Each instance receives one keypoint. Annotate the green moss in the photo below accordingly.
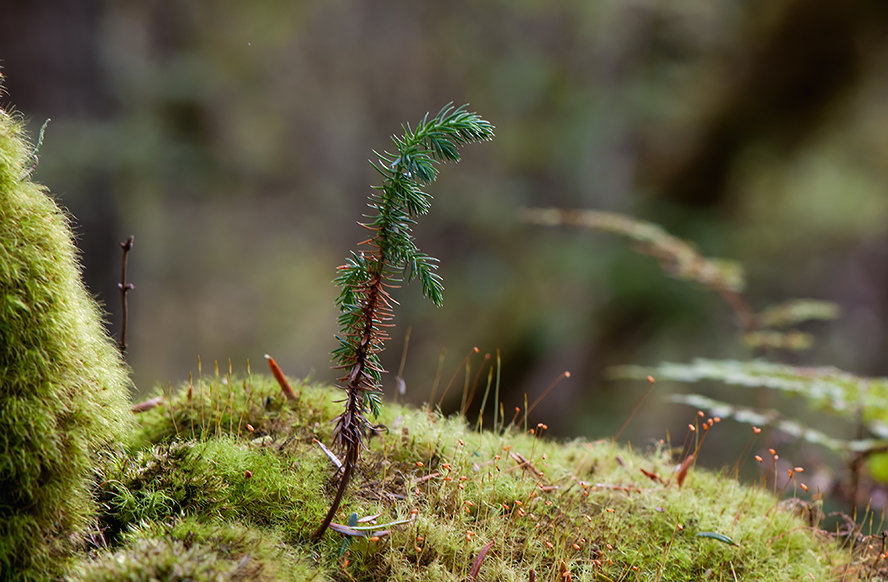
(63, 388)
(194, 551)
(215, 479)
(580, 507)
(222, 405)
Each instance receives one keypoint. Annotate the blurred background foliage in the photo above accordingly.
(232, 138)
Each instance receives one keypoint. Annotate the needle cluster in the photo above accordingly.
(385, 260)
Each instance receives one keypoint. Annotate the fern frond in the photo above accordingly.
(681, 260)
(677, 257)
(827, 388)
(768, 339)
(775, 420)
(796, 311)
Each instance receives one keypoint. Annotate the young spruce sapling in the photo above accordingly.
(384, 260)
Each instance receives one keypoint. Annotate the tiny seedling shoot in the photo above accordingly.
(382, 262)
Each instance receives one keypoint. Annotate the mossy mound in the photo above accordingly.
(63, 388)
(226, 478)
(192, 551)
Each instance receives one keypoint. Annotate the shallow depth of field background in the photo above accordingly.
(232, 138)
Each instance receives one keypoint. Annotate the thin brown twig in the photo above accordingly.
(524, 463)
(147, 404)
(125, 288)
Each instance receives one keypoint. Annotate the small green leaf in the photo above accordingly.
(717, 536)
(346, 541)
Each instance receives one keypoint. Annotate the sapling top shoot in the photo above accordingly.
(386, 259)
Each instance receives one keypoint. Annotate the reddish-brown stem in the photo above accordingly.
(351, 461)
(349, 431)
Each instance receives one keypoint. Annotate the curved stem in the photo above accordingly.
(351, 459)
(350, 427)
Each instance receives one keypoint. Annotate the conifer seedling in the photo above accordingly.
(389, 257)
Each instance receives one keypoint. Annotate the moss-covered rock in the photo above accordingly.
(63, 388)
(227, 477)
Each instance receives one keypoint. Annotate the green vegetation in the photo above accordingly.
(858, 401)
(226, 478)
(680, 259)
(365, 304)
(226, 481)
(63, 388)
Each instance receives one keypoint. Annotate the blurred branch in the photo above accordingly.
(676, 257)
(125, 288)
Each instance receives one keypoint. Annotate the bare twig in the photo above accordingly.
(524, 463)
(124, 287)
(425, 478)
(147, 404)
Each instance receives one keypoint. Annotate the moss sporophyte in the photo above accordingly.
(384, 260)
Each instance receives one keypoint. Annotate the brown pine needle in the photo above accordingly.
(476, 565)
(683, 470)
(281, 379)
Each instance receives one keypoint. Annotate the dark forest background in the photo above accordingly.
(232, 138)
